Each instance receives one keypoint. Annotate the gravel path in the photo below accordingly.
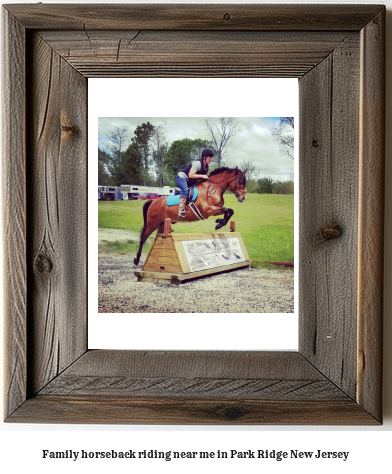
(240, 291)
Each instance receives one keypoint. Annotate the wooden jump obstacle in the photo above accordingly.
(177, 258)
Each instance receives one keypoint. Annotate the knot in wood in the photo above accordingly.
(227, 16)
(69, 128)
(43, 264)
(315, 143)
(232, 413)
(328, 233)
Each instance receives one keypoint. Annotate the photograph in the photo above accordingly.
(224, 189)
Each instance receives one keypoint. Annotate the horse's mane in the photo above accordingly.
(241, 176)
(220, 170)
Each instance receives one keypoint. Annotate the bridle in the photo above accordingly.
(235, 192)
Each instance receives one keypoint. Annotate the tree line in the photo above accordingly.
(146, 158)
(147, 151)
(268, 186)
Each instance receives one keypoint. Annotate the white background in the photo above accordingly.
(369, 448)
(248, 98)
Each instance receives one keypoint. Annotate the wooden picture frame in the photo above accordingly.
(338, 54)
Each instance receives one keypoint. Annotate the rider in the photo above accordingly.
(187, 177)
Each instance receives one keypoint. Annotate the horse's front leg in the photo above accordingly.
(227, 214)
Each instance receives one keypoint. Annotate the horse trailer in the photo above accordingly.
(134, 191)
(109, 193)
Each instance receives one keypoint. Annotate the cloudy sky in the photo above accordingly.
(253, 142)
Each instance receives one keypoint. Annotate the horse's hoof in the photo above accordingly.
(136, 261)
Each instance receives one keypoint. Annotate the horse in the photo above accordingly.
(209, 202)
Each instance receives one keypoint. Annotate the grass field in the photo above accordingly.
(266, 223)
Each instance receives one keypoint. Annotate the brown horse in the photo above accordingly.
(209, 202)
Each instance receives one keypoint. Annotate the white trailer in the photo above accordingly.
(109, 193)
(132, 191)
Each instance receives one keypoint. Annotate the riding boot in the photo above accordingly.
(181, 208)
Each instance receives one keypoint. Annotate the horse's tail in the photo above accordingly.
(146, 206)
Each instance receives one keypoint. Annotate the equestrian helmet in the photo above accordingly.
(207, 152)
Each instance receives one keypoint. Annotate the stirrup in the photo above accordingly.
(181, 208)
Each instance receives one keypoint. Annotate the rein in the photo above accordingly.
(236, 194)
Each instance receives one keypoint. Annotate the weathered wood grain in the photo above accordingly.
(103, 409)
(57, 222)
(371, 215)
(14, 209)
(187, 387)
(208, 364)
(187, 374)
(178, 53)
(329, 200)
(195, 17)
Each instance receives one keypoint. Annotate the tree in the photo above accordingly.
(180, 154)
(142, 137)
(284, 134)
(251, 186)
(251, 172)
(115, 146)
(265, 186)
(117, 140)
(286, 187)
(132, 169)
(132, 165)
(103, 174)
(221, 130)
(160, 147)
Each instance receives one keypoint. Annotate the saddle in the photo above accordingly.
(174, 199)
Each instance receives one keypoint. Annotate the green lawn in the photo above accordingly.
(266, 223)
